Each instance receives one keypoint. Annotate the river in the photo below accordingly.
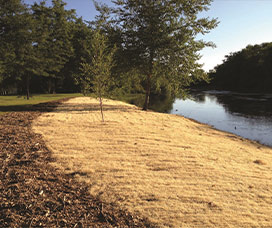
(245, 114)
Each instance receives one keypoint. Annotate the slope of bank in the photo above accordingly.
(174, 171)
(34, 194)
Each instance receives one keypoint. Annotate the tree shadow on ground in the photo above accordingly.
(42, 107)
(79, 108)
(59, 106)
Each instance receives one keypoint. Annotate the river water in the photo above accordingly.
(246, 115)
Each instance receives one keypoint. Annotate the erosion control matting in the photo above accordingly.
(35, 194)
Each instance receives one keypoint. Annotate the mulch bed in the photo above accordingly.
(34, 194)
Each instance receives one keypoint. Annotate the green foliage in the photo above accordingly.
(96, 71)
(159, 103)
(1, 71)
(53, 39)
(35, 42)
(247, 70)
(158, 41)
(15, 40)
(81, 41)
(42, 47)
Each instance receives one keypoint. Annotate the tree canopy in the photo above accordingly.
(247, 70)
(96, 71)
(35, 42)
(158, 40)
(42, 45)
(15, 40)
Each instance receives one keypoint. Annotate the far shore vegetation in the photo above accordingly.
(247, 70)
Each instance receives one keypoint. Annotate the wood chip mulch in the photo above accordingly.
(34, 194)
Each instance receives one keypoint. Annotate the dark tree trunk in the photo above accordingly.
(101, 108)
(49, 85)
(147, 92)
(27, 87)
(54, 85)
(148, 82)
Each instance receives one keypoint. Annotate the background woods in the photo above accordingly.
(156, 51)
(248, 70)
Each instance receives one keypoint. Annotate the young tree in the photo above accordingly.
(159, 40)
(96, 71)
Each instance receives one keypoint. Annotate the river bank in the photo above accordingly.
(172, 170)
(243, 114)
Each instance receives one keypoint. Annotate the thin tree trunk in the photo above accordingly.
(54, 86)
(101, 108)
(147, 93)
(49, 85)
(148, 83)
(27, 87)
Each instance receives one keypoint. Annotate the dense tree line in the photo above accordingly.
(46, 48)
(248, 70)
(37, 44)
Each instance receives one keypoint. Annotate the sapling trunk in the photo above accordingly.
(101, 108)
(148, 81)
(27, 87)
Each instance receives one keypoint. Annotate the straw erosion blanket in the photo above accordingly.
(34, 194)
(172, 170)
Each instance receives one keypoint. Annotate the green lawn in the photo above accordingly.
(16, 103)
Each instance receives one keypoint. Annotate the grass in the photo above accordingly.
(174, 171)
(20, 103)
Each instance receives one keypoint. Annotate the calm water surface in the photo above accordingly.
(246, 115)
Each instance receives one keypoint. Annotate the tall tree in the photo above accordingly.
(96, 71)
(60, 40)
(81, 40)
(159, 40)
(16, 42)
(35, 41)
(53, 38)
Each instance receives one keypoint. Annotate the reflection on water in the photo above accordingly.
(158, 103)
(247, 115)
